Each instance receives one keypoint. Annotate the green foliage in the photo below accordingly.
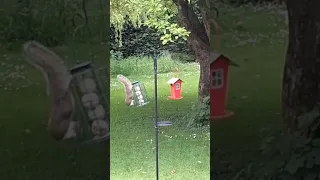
(157, 14)
(201, 113)
(183, 57)
(116, 55)
(144, 41)
(49, 22)
(290, 157)
(307, 119)
(144, 28)
(304, 161)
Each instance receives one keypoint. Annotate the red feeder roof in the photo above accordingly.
(173, 80)
(215, 56)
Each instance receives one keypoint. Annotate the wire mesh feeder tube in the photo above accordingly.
(140, 96)
(90, 104)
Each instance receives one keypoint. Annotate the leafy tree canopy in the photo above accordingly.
(155, 14)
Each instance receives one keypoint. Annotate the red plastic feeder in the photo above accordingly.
(219, 68)
(175, 88)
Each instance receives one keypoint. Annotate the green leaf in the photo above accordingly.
(294, 164)
(300, 142)
(305, 120)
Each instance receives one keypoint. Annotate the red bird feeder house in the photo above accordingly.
(175, 88)
(219, 68)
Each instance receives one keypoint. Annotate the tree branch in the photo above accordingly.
(190, 21)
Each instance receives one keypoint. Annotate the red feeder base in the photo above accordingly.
(174, 98)
(226, 114)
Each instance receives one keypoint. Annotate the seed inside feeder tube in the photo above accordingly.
(100, 112)
(140, 97)
(92, 115)
(90, 99)
(99, 127)
(88, 85)
(97, 113)
(137, 88)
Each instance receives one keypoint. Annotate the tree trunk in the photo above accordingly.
(199, 41)
(202, 55)
(301, 76)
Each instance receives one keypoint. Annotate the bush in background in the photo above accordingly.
(144, 41)
(143, 65)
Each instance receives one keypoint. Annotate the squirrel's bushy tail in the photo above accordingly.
(128, 89)
(49, 63)
(57, 79)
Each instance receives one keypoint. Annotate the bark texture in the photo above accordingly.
(301, 76)
(199, 41)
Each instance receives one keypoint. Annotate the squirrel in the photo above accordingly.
(128, 89)
(60, 124)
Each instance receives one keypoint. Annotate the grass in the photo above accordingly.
(256, 40)
(183, 152)
(27, 150)
(253, 37)
(144, 65)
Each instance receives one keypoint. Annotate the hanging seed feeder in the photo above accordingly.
(90, 104)
(140, 96)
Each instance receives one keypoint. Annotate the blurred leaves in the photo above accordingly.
(144, 41)
(156, 14)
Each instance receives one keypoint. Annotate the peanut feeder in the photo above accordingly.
(140, 96)
(90, 104)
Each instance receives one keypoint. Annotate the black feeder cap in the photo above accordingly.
(135, 82)
(80, 67)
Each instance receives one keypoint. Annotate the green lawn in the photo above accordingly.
(255, 38)
(257, 42)
(27, 150)
(183, 152)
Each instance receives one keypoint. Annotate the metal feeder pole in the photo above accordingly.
(156, 116)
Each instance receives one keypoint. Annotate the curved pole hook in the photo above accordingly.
(80, 26)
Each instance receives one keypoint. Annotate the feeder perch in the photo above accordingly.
(90, 104)
(164, 123)
(140, 96)
(219, 69)
(175, 88)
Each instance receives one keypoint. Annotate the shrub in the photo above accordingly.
(201, 115)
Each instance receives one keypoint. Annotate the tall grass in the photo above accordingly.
(144, 65)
